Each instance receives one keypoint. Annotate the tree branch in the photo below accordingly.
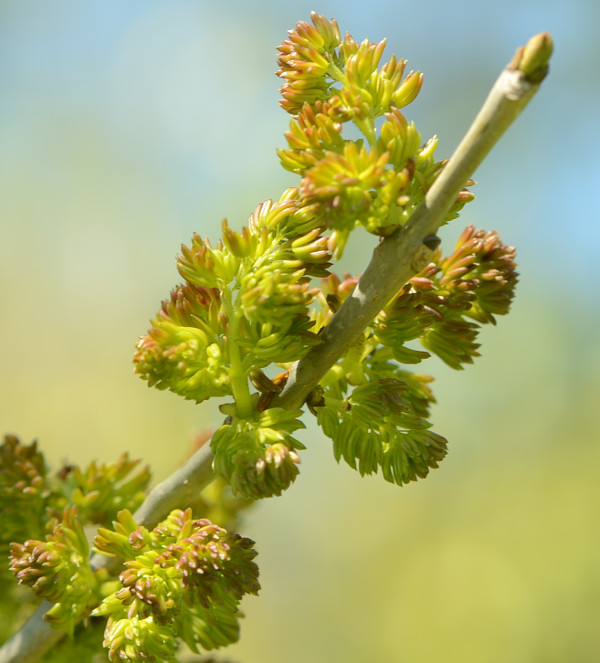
(395, 260)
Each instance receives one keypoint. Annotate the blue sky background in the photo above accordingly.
(127, 126)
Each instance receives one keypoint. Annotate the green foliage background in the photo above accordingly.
(124, 127)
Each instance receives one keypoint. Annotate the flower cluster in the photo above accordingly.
(184, 351)
(382, 424)
(31, 500)
(444, 304)
(58, 570)
(258, 456)
(183, 580)
(101, 490)
(43, 516)
(376, 412)
(244, 305)
(378, 180)
(23, 492)
(202, 573)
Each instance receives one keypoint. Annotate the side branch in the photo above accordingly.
(394, 262)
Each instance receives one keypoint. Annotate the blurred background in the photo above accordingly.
(127, 126)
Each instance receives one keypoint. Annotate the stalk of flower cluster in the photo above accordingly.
(394, 262)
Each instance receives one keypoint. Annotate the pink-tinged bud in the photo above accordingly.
(408, 90)
(233, 241)
(366, 59)
(329, 31)
(466, 196)
(394, 69)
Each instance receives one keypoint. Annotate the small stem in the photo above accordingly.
(239, 377)
(335, 71)
(239, 381)
(367, 127)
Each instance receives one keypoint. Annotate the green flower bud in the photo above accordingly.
(23, 492)
(182, 580)
(328, 31)
(408, 90)
(400, 139)
(382, 424)
(140, 639)
(258, 458)
(58, 570)
(101, 490)
(306, 59)
(184, 350)
(477, 281)
(203, 266)
(532, 59)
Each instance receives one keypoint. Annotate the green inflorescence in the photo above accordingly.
(257, 457)
(43, 520)
(183, 580)
(377, 180)
(373, 409)
(58, 570)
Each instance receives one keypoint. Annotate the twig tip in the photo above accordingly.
(532, 59)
